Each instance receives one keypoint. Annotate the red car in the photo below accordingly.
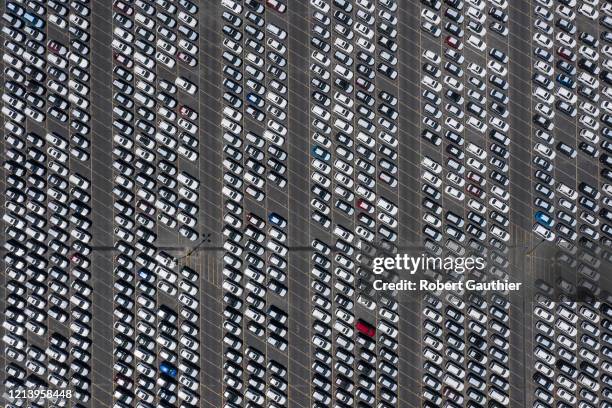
(121, 7)
(566, 54)
(56, 48)
(476, 178)
(123, 60)
(475, 191)
(79, 260)
(365, 328)
(276, 5)
(365, 206)
(188, 113)
(454, 42)
(187, 59)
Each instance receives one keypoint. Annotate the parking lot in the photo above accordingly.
(221, 176)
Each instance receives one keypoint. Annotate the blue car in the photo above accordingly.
(566, 81)
(255, 100)
(33, 21)
(544, 219)
(321, 153)
(146, 275)
(168, 369)
(277, 220)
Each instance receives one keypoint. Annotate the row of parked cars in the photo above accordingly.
(255, 139)
(465, 101)
(47, 202)
(155, 130)
(572, 83)
(581, 92)
(354, 116)
(150, 123)
(469, 163)
(571, 351)
(162, 361)
(466, 345)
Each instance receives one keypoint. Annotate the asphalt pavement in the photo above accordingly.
(526, 263)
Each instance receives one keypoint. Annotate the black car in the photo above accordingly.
(589, 39)
(454, 15)
(498, 15)
(566, 67)
(434, 4)
(589, 66)
(431, 137)
(454, 29)
(588, 93)
(431, 70)
(343, 18)
(605, 76)
(543, 54)
(566, 26)
(456, 4)
(566, 108)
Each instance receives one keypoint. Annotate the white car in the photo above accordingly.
(279, 32)
(432, 219)
(432, 56)
(566, 12)
(545, 151)
(276, 99)
(476, 165)
(589, 135)
(543, 67)
(476, 151)
(588, 52)
(566, 40)
(476, 69)
(567, 95)
(165, 59)
(499, 124)
(186, 85)
(588, 11)
(543, 40)
(365, 45)
(430, 16)
(476, 42)
(476, 14)
(498, 68)
(589, 122)
(232, 6)
(363, 30)
(432, 179)
(454, 192)
(543, 26)
(454, 124)
(567, 191)
(431, 83)
(499, 205)
(543, 95)
(431, 164)
(545, 110)
(322, 5)
(478, 4)
(500, 233)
